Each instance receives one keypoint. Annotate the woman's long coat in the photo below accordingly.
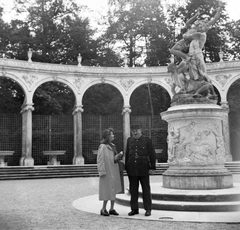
(109, 176)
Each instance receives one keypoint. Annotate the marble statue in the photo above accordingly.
(190, 76)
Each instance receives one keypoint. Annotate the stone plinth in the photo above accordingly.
(196, 149)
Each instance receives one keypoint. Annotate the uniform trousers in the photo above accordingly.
(146, 192)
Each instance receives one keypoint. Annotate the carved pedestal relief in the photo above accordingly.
(196, 143)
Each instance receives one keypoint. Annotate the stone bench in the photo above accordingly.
(94, 151)
(2, 156)
(53, 156)
(158, 154)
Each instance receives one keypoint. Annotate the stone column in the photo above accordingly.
(26, 159)
(196, 149)
(77, 127)
(226, 134)
(126, 125)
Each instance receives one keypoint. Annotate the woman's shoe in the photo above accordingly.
(104, 213)
(113, 212)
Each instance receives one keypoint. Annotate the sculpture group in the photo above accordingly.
(190, 75)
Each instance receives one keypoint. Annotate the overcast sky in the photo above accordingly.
(232, 7)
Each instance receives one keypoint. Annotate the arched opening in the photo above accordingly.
(53, 122)
(218, 96)
(147, 102)
(11, 97)
(103, 105)
(233, 98)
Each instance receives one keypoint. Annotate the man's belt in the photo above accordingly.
(137, 156)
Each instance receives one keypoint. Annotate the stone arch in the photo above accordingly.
(229, 84)
(21, 83)
(219, 89)
(104, 81)
(146, 81)
(50, 131)
(233, 118)
(59, 79)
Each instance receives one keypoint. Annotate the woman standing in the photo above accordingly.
(108, 169)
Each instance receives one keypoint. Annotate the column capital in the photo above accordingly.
(27, 107)
(78, 108)
(224, 105)
(126, 109)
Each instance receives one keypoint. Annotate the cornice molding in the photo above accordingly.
(100, 71)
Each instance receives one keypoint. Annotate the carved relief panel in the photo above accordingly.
(197, 142)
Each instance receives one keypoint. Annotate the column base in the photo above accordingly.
(229, 158)
(78, 160)
(26, 161)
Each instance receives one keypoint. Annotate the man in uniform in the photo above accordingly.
(140, 162)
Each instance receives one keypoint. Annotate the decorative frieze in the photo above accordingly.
(4, 72)
(29, 79)
(168, 80)
(222, 79)
(126, 84)
(78, 82)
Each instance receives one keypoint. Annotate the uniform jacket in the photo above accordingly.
(140, 156)
(109, 180)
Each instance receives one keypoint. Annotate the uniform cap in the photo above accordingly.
(135, 126)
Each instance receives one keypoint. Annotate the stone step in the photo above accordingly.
(217, 200)
(213, 195)
(124, 199)
(58, 171)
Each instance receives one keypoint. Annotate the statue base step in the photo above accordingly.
(197, 178)
(217, 200)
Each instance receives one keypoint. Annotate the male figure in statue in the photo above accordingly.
(181, 48)
(193, 62)
(196, 65)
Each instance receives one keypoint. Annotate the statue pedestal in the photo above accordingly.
(196, 149)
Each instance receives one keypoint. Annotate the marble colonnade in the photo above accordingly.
(79, 78)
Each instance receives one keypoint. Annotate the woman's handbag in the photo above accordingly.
(121, 169)
(121, 166)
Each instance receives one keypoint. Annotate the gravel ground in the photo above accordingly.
(47, 204)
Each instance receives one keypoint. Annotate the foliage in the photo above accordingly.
(102, 99)
(56, 32)
(11, 96)
(234, 118)
(139, 28)
(106, 55)
(53, 98)
(215, 36)
(4, 34)
(232, 50)
(144, 97)
(20, 40)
